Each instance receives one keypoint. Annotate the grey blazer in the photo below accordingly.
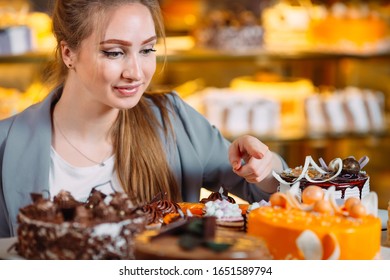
(198, 158)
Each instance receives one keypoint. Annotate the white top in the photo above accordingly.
(79, 181)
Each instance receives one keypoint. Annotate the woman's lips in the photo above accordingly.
(128, 90)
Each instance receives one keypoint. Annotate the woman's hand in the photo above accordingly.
(251, 159)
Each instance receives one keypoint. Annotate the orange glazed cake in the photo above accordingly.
(317, 228)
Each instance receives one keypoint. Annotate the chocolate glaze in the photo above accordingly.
(341, 184)
(351, 176)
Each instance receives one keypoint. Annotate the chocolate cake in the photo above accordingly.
(63, 228)
(101, 228)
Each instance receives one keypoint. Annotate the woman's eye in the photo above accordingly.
(112, 54)
(147, 51)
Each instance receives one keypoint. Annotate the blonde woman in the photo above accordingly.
(101, 128)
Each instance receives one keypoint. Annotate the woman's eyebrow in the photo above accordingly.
(126, 43)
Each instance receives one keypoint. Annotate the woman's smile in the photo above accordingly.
(128, 90)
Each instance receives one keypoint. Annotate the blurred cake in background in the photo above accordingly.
(290, 93)
(23, 30)
(228, 30)
(13, 101)
(355, 27)
(286, 26)
(181, 16)
(345, 110)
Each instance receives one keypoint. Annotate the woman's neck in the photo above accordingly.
(81, 132)
(82, 115)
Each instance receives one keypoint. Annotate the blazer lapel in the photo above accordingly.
(27, 157)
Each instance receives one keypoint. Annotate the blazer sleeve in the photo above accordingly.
(5, 229)
(211, 149)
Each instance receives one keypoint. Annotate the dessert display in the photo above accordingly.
(27, 30)
(102, 228)
(268, 104)
(340, 27)
(109, 227)
(236, 111)
(318, 228)
(286, 26)
(347, 176)
(198, 238)
(289, 93)
(181, 16)
(228, 30)
(348, 109)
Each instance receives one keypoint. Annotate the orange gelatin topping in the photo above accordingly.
(244, 208)
(357, 238)
(193, 207)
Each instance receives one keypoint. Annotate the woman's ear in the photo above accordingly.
(68, 56)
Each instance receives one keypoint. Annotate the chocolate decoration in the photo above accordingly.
(218, 196)
(94, 198)
(65, 200)
(350, 166)
(159, 207)
(35, 197)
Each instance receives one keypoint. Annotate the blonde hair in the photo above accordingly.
(141, 162)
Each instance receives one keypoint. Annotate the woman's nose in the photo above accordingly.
(132, 69)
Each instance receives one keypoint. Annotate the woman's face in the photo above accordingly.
(118, 71)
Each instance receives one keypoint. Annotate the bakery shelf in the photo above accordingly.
(32, 57)
(195, 54)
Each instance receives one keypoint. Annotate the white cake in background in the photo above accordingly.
(346, 110)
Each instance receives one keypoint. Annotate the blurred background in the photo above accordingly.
(305, 77)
